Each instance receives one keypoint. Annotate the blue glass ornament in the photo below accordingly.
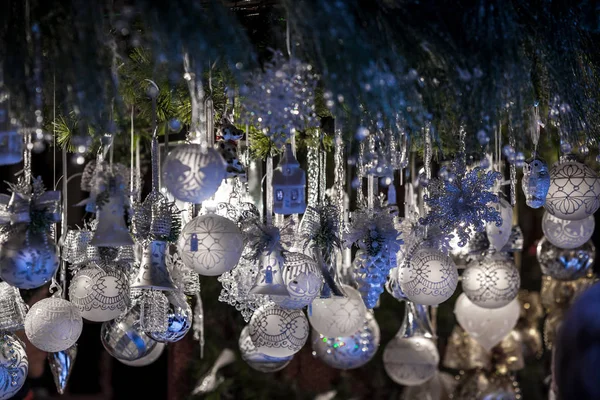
(536, 182)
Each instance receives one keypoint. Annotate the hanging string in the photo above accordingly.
(322, 171)
(196, 95)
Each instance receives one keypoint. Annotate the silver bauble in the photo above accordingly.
(179, 322)
(149, 358)
(13, 364)
(259, 361)
(123, 338)
(565, 264)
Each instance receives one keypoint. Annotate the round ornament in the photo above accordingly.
(278, 332)
(148, 359)
(351, 351)
(565, 264)
(410, 361)
(499, 236)
(13, 364)
(210, 244)
(338, 316)
(491, 282)
(179, 319)
(192, 173)
(123, 338)
(574, 191)
(302, 278)
(53, 324)
(27, 260)
(428, 277)
(100, 294)
(566, 234)
(259, 361)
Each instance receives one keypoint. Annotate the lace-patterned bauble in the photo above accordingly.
(149, 358)
(567, 234)
(193, 173)
(100, 294)
(428, 276)
(13, 364)
(259, 361)
(124, 339)
(574, 191)
(350, 351)
(53, 324)
(565, 264)
(491, 282)
(210, 244)
(303, 281)
(278, 332)
(410, 361)
(338, 316)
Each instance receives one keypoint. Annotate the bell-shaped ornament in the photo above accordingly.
(111, 230)
(153, 272)
(270, 279)
(416, 322)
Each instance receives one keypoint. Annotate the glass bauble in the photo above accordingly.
(491, 282)
(303, 280)
(566, 234)
(14, 365)
(536, 182)
(210, 244)
(53, 324)
(259, 361)
(123, 338)
(148, 359)
(278, 332)
(193, 173)
(410, 361)
(179, 320)
(338, 316)
(565, 264)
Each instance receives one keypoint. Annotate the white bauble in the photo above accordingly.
(259, 361)
(210, 244)
(487, 326)
(349, 351)
(100, 294)
(338, 316)
(278, 332)
(428, 277)
(498, 236)
(13, 364)
(193, 173)
(566, 234)
(410, 361)
(303, 280)
(491, 282)
(574, 191)
(53, 324)
(148, 359)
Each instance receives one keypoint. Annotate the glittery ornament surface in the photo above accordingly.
(13, 364)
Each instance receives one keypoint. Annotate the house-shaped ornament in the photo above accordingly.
(289, 185)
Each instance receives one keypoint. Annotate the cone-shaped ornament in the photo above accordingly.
(112, 230)
(270, 279)
(416, 322)
(153, 272)
(61, 364)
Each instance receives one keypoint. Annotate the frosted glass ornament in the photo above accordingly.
(123, 338)
(338, 316)
(536, 182)
(410, 361)
(565, 264)
(210, 244)
(100, 294)
(27, 260)
(278, 332)
(259, 361)
(53, 324)
(491, 282)
(574, 191)
(193, 173)
(499, 236)
(428, 277)
(14, 365)
(487, 326)
(349, 351)
(567, 234)
(303, 281)
(148, 359)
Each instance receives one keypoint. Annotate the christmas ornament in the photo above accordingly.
(499, 234)
(303, 281)
(99, 294)
(53, 324)
(179, 320)
(565, 264)
(94, 178)
(228, 147)
(278, 332)
(78, 252)
(12, 309)
(193, 172)
(437, 388)
(211, 380)
(11, 140)
(567, 234)
(14, 365)
(259, 361)
(574, 190)
(154, 307)
(123, 339)
(491, 282)
(338, 316)
(410, 361)
(348, 351)
(487, 326)
(415, 322)
(536, 182)
(153, 272)
(148, 359)
(289, 185)
(269, 279)
(61, 364)
(210, 244)
(428, 276)
(156, 219)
